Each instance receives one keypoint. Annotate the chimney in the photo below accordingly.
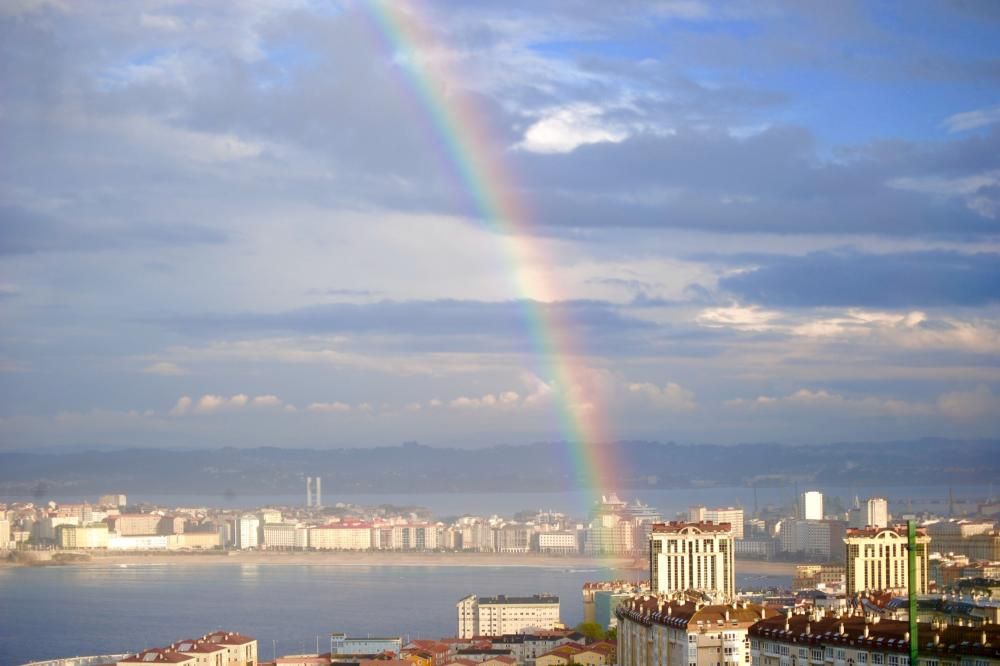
(866, 630)
(906, 637)
(670, 610)
(982, 637)
(937, 638)
(808, 628)
(840, 629)
(727, 616)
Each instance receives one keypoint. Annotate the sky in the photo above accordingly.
(237, 224)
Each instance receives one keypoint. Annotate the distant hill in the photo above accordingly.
(413, 468)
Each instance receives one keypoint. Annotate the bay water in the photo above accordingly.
(51, 612)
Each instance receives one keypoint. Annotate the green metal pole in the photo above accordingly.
(911, 528)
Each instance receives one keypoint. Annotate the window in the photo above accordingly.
(862, 657)
(878, 659)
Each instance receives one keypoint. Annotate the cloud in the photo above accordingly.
(562, 130)
(975, 404)
(968, 120)
(855, 279)
(165, 369)
(740, 318)
(26, 232)
(214, 404)
(825, 401)
(967, 405)
(501, 399)
(671, 396)
(183, 406)
(330, 407)
(209, 404)
(444, 319)
(979, 192)
(266, 402)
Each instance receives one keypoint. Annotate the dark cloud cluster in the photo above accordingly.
(857, 279)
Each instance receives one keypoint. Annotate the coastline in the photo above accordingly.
(627, 565)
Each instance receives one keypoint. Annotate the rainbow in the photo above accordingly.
(476, 161)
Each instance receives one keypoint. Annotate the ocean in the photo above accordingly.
(54, 612)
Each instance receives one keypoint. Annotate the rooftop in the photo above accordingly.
(650, 609)
(676, 527)
(534, 599)
(888, 635)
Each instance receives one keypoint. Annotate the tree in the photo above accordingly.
(592, 630)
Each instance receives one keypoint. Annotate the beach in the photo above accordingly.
(387, 558)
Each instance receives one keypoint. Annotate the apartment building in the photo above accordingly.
(284, 536)
(414, 536)
(692, 557)
(82, 512)
(115, 500)
(877, 559)
(821, 539)
(355, 536)
(45, 529)
(246, 530)
(817, 639)
(82, 536)
(134, 524)
(496, 616)
(873, 513)
(811, 576)
(525, 648)
(978, 540)
(342, 644)
(658, 631)
(513, 538)
(610, 535)
(558, 543)
(220, 648)
(731, 515)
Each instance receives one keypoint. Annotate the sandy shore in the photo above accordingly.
(631, 567)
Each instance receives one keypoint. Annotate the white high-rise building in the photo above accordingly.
(811, 505)
(692, 556)
(730, 514)
(877, 510)
(247, 532)
(873, 513)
